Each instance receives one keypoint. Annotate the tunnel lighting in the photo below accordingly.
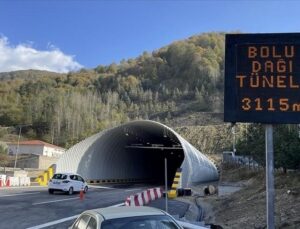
(165, 133)
(136, 144)
(151, 147)
(157, 145)
(126, 130)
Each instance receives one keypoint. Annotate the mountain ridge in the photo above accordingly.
(177, 80)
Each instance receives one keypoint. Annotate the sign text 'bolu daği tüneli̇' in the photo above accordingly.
(262, 78)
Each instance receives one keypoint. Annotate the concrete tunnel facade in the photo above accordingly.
(136, 151)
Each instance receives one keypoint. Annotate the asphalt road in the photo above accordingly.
(33, 206)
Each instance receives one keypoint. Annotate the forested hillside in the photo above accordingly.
(180, 85)
(174, 81)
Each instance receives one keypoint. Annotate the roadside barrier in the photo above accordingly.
(7, 183)
(24, 181)
(43, 178)
(14, 181)
(176, 184)
(144, 197)
(2, 180)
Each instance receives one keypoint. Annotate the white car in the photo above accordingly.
(125, 218)
(67, 182)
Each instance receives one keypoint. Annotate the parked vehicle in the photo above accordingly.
(125, 218)
(67, 182)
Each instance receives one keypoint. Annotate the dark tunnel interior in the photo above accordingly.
(158, 148)
(153, 163)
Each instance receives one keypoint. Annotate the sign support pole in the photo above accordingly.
(270, 190)
(166, 183)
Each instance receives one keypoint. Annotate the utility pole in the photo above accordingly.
(17, 152)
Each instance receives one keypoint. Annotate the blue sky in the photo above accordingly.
(89, 33)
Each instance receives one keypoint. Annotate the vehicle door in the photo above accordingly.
(81, 182)
(75, 183)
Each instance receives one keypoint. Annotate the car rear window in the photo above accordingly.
(82, 222)
(142, 222)
(59, 176)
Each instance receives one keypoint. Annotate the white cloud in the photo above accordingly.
(24, 56)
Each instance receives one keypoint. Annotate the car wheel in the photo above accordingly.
(70, 191)
(50, 191)
(85, 189)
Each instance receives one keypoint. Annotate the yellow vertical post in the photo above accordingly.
(41, 178)
(38, 179)
(50, 173)
(173, 191)
(45, 178)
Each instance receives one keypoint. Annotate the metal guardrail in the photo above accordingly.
(240, 160)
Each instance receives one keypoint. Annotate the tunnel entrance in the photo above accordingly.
(152, 162)
(133, 153)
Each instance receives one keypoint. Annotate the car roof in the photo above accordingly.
(123, 212)
(68, 174)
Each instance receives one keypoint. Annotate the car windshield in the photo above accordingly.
(141, 222)
(59, 176)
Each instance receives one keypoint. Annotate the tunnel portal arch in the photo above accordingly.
(135, 151)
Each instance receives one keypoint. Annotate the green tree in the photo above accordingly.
(286, 145)
(4, 159)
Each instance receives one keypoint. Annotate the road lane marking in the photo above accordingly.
(21, 187)
(100, 187)
(117, 205)
(20, 194)
(54, 222)
(53, 201)
(136, 189)
(63, 220)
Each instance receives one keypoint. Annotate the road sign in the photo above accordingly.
(262, 78)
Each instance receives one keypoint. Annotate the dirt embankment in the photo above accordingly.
(246, 208)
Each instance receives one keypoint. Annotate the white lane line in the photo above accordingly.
(20, 194)
(117, 205)
(100, 187)
(62, 220)
(54, 222)
(53, 201)
(136, 189)
(21, 187)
